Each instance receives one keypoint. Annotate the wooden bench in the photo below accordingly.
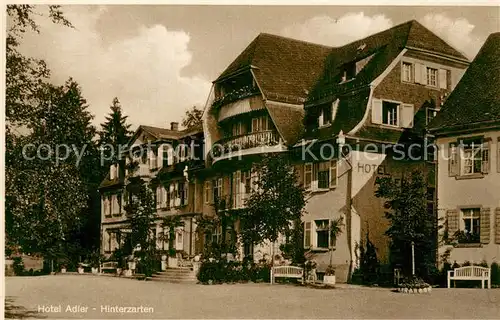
(470, 273)
(111, 265)
(287, 272)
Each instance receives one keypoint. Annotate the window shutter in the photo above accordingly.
(307, 234)
(112, 172)
(159, 158)
(497, 225)
(333, 173)
(170, 156)
(420, 74)
(158, 197)
(172, 195)
(485, 157)
(453, 163)
(308, 175)
(452, 217)
(314, 183)
(484, 221)
(407, 114)
(442, 78)
(237, 189)
(377, 111)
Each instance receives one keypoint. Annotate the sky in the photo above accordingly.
(160, 60)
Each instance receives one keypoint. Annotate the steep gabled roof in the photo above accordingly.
(476, 98)
(284, 68)
(161, 133)
(380, 49)
(288, 69)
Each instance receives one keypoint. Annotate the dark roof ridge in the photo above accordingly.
(296, 40)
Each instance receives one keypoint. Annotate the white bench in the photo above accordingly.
(470, 273)
(287, 272)
(111, 265)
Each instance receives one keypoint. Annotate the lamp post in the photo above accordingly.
(413, 258)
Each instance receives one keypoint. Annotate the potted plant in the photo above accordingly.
(95, 260)
(172, 258)
(63, 268)
(131, 263)
(120, 259)
(335, 229)
(329, 278)
(80, 268)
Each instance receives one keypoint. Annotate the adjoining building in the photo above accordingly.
(171, 157)
(468, 134)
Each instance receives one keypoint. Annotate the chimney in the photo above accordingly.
(174, 126)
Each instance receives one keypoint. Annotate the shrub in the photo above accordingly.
(18, 266)
(223, 271)
(413, 283)
(495, 273)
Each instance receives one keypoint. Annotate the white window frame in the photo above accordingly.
(308, 172)
(217, 187)
(432, 76)
(407, 72)
(435, 111)
(470, 214)
(321, 118)
(468, 161)
(392, 117)
(207, 193)
(322, 228)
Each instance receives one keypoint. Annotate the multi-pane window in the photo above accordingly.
(407, 72)
(217, 189)
(322, 233)
(325, 116)
(238, 128)
(432, 77)
(390, 113)
(183, 193)
(324, 175)
(472, 158)
(262, 123)
(431, 114)
(320, 175)
(471, 222)
(207, 192)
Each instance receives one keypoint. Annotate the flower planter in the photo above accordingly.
(329, 280)
(119, 271)
(128, 273)
(80, 270)
(172, 262)
(131, 265)
(95, 270)
(63, 270)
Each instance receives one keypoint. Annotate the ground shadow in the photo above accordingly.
(13, 311)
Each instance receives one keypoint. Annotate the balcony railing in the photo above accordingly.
(234, 95)
(246, 141)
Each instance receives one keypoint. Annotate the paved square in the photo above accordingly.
(98, 296)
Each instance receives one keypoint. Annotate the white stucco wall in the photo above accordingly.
(483, 192)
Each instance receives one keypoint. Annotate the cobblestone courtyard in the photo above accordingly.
(88, 296)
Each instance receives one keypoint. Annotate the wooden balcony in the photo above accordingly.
(234, 144)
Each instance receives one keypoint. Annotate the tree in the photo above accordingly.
(141, 210)
(192, 118)
(114, 132)
(47, 194)
(410, 222)
(275, 203)
(24, 75)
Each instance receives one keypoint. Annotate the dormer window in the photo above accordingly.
(325, 115)
(349, 71)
